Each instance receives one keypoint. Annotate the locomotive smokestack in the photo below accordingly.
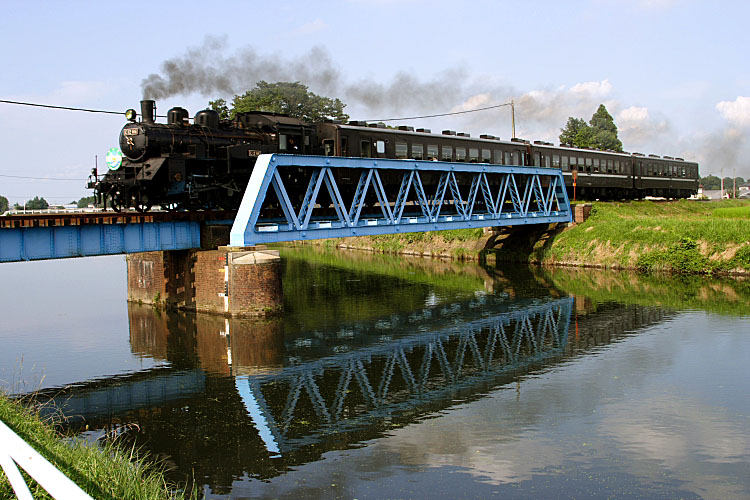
(148, 110)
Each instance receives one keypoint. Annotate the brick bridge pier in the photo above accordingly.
(230, 281)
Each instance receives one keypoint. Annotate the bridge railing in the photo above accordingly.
(307, 197)
(15, 452)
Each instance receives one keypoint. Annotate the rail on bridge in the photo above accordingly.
(390, 196)
(57, 236)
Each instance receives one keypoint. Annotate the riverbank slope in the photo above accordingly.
(105, 472)
(690, 237)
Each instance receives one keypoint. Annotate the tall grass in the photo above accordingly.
(105, 472)
(685, 236)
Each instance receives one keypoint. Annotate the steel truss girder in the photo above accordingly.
(57, 242)
(510, 195)
(450, 360)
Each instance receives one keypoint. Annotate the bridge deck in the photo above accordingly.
(59, 235)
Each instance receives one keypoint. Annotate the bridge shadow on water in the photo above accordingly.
(365, 346)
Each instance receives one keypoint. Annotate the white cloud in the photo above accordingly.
(736, 112)
(638, 128)
(312, 27)
(593, 89)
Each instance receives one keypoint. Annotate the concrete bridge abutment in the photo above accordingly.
(232, 282)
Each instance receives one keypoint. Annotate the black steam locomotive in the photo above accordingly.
(207, 164)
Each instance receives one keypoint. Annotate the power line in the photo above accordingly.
(43, 178)
(61, 107)
(442, 114)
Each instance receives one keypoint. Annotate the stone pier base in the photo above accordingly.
(237, 282)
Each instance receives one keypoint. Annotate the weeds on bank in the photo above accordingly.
(106, 472)
(684, 237)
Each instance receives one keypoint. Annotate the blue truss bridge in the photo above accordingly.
(393, 196)
(293, 197)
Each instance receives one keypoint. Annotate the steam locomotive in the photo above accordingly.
(207, 164)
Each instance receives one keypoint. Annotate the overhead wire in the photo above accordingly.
(67, 108)
(43, 178)
(441, 114)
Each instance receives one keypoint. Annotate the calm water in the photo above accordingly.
(397, 378)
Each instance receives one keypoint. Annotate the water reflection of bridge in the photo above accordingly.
(347, 384)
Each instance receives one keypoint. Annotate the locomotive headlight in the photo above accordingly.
(131, 114)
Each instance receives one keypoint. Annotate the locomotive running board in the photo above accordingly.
(462, 195)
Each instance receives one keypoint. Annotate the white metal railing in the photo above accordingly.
(15, 452)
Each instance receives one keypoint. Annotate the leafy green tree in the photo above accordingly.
(220, 105)
(291, 98)
(599, 133)
(711, 182)
(85, 201)
(572, 128)
(3, 204)
(36, 204)
(605, 130)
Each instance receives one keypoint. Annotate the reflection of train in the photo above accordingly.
(208, 163)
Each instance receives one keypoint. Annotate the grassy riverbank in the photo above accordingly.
(686, 237)
(105, 472)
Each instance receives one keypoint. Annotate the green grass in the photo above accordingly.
(104, 472)
(732, 212)
(684, 237)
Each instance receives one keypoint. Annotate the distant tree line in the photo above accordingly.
(712, 182)
(39, 203)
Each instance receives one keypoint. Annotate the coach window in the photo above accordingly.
(537, 159)
(683, 173)
(401, 150)
(328, 149)
(380, 147)
(282, 142)
(344, 146)
(596, 164)
(547, 161)
(486, 156)
(447, 153)
(498, 155)
(432, 151)
(556, 161)
(565, 164)
(365, 149)
(460, 154)
(588, 165)
(616, 168)
(417, 151)
(473, 155)
(507, 158)
(581, 163)
(516, 158)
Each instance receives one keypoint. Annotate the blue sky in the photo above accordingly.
(673, 73)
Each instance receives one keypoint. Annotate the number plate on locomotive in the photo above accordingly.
(253, 152)
(130, 131)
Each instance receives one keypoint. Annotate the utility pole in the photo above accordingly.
(513, 116)
(722, 185)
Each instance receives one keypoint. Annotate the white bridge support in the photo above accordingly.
(457, 196)
(15, 452)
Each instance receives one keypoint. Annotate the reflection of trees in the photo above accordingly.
(719, 295)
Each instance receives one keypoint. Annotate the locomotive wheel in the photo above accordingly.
(117, 202)
(143, 202)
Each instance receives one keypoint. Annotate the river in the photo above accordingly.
(392, 377)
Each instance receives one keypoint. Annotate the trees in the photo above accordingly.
(3, 204)
(291, 98)
(36, 204)
(599, 133)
